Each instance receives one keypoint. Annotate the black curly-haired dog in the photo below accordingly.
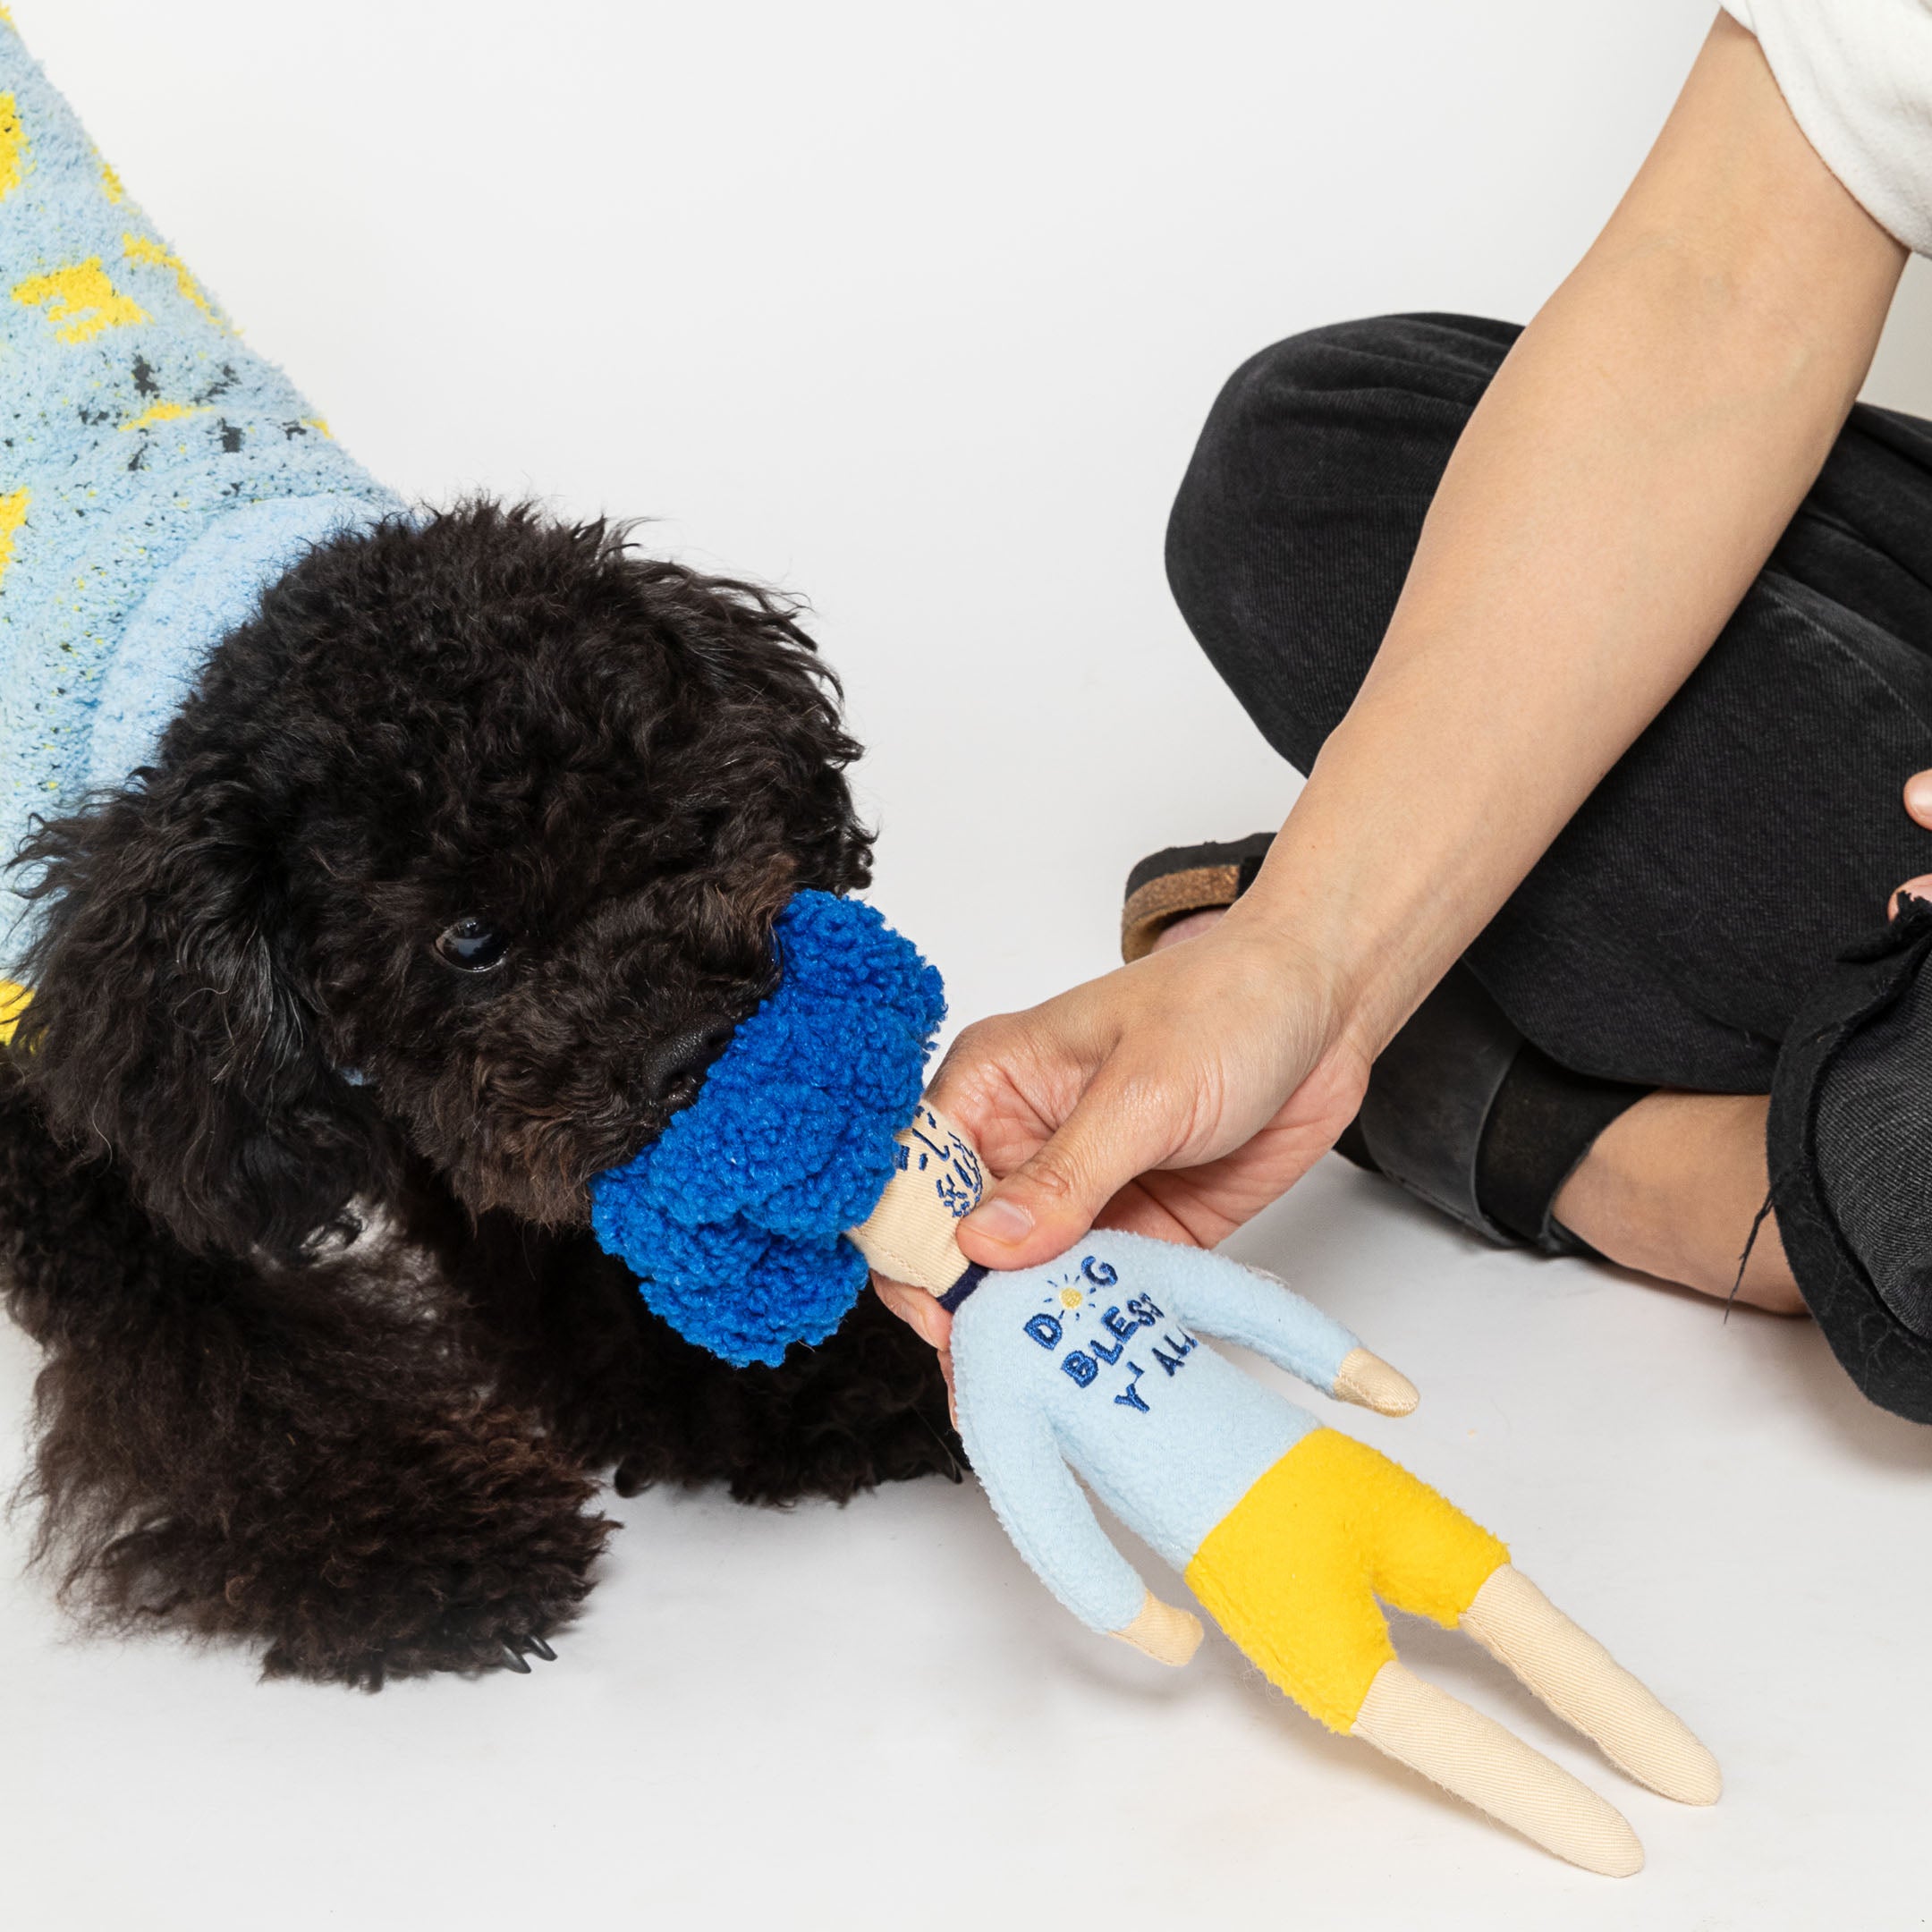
(441, 890)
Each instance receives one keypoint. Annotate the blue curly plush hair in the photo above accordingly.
(732, 1219)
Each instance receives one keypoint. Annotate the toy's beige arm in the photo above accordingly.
(1167, 1635)
(1370, 1382)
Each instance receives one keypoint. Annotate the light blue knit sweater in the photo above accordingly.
(155, 474)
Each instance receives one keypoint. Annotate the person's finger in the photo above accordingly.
(917, 1309)
(1046, 1204)
(1134, 1210)
(1916, 889)
(1005, 1083)
(1512, 1620)
(1918, 797)
(951, 1388)
(1474, 1758)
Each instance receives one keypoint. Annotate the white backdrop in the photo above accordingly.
(916, 310)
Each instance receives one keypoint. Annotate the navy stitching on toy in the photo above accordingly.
(732, 1219)
(951, 1299)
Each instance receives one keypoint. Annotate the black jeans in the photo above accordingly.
(1690, 926)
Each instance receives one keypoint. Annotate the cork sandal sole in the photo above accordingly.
(1184, 879)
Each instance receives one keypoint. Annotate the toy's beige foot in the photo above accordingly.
(1475, 1759)
(1587, 1687)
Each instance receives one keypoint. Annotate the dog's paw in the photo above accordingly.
(463, 1545)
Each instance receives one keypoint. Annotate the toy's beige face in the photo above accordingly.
(937, 1182)
(934, 1153)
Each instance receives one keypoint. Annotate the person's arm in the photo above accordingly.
(1613, 497)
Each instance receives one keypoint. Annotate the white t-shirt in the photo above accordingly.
(1857, 76)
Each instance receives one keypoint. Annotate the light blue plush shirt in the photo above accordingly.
(156, 473)
(1094, 1359)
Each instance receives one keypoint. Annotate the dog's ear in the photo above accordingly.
(169, 1027)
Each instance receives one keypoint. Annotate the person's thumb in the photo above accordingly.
(1043, 1205)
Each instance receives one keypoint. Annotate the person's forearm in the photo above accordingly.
(1616, 492)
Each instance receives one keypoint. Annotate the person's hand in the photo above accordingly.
(1176, 1096)
(1919, 803)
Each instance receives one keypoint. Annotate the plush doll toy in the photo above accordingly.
(1286, 1530)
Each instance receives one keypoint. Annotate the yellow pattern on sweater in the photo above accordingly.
(145, 249)
(161, 412)
(13, 147)
(81, 296)
(13, 1001)
(12, 514)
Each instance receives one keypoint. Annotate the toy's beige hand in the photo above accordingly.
(1159, 1631)
(1477, 1760)
(1369, 1382)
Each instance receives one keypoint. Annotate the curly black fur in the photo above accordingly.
(375, 1455)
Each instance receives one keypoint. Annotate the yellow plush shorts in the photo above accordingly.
(1291, 1572)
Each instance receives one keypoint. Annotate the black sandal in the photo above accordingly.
(1170, 886)
(1461, 1110)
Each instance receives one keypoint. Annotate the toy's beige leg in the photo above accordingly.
(1477, 1760)
(1587, 1687)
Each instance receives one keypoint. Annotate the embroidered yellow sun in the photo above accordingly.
(1071, 1298)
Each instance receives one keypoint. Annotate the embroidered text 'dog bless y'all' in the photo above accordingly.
(1084, 1362)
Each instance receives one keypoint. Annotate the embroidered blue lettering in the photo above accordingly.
(1142, 1309)
(1044, 1329)
(1080, 1365)
(1108, 1355)
(1118, 1328)
(1098, 1273)
(1129, 1396)
(1183, 1346)
(1166, 1360)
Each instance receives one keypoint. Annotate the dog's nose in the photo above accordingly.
(676, 1065)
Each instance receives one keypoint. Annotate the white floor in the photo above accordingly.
(873, 1716)
(916, 310)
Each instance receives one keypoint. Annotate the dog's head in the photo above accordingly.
(466, 849)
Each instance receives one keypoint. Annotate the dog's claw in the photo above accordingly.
(513, 1658)
(541, 1649)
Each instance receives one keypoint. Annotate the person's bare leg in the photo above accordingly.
(1671, 1188)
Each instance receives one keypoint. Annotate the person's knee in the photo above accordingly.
(1272, 436)
(1308, 414)
(1294, 524)
(1353, 411)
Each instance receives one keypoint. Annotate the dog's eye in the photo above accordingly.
(471, 946)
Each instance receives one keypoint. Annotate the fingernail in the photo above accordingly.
(1001, 1220)
(1919, 796)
